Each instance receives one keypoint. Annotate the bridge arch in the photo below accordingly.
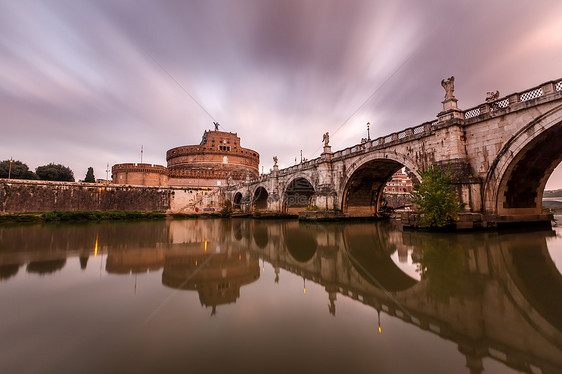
(369, 251)
(237, 201)
(516, 179)
(301, 244)
(298, 195)
(526, 271)
(260, 233)
(259, 198)
(366, 178)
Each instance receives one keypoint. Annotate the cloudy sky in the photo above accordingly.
(86, 83)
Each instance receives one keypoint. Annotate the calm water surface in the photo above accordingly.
(243, 296)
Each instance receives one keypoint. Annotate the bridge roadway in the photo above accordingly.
(501, 154)
(487, 299)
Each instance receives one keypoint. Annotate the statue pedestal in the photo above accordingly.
(327, 153)
(449, 115)
(450, 104)
(450, 111)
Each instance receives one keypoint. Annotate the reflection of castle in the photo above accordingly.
(134, 260)
(216, 161)
(216, 274)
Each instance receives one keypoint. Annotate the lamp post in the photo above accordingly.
(301, 156)
(10, 168)
(368, 133)
(379, 314)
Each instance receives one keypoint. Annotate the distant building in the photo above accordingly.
(399, 183)
(103, 181)
(217, 161)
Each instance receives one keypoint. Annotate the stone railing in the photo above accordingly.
(189, 150)
(301, 166)
(392, 139)
(518, 97)
(259, 179)
(197, 173)
(143, 168)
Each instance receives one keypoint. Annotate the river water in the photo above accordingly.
(261, 296)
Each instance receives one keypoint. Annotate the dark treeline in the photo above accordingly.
(51, 172)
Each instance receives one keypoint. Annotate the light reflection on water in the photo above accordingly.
(248, 296)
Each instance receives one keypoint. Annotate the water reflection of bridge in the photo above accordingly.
(493, 295)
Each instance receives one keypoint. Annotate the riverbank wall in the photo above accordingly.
(398, 200)
(23, 196)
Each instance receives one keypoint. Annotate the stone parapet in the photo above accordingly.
(544, 93)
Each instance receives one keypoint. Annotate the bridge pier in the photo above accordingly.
(326, 198)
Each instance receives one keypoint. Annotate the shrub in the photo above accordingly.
(436, 198)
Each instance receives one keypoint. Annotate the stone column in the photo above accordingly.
(450, 129)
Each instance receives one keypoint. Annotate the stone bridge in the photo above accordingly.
(501, 153)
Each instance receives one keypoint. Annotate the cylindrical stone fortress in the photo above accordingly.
(218, 160)
(140, 174)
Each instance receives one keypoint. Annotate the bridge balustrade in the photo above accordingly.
(529, 95)
(418, 130)
(520, 97)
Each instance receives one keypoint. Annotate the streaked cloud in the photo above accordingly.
(79, 83)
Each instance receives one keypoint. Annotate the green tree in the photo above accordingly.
(19, 170)
(90, 176)
(436, 198)
(55, 172)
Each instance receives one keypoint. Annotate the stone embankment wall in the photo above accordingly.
(398, 200)
(20, 196)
